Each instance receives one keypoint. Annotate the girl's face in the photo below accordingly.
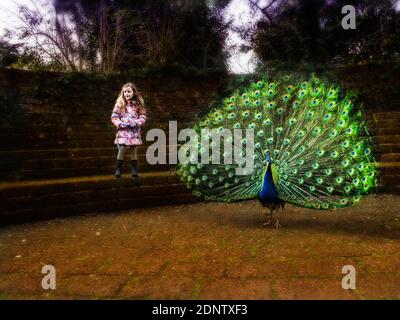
(128, 93)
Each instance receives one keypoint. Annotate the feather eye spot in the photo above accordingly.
(339, 180)
(334, 154)
(279, 130)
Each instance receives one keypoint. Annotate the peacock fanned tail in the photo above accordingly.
(316, 137)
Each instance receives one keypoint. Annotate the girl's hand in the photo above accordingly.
(124, 125)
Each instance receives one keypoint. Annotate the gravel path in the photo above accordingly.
(207, 251)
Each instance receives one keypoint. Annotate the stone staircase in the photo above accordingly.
(64, 151)
(67, 169)
(385, 128)
(55, 168)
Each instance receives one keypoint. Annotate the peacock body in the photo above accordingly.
(311, 147)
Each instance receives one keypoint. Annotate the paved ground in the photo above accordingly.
(207, 251)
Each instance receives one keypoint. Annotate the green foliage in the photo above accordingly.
(156, 36)
(309, 32)
(8, 53)
(10, 103)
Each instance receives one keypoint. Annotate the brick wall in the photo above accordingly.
(48, 97)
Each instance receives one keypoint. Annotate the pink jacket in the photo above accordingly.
(128, 135)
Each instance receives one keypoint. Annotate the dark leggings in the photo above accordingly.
(122, 149)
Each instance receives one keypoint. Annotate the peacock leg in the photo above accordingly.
(269, 220)
(277, 224)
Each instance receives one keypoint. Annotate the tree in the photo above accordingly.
(8, 53)
(295, 32)
(115, 35)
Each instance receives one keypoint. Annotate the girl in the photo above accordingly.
(128, 115)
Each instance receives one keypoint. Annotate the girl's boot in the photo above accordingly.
(118, 168)
(134, 168)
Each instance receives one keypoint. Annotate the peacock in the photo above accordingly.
(311, 147)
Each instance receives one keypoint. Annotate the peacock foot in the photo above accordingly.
(272, 221)
(268, 223)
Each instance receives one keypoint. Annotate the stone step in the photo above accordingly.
(49, 186)
(85, 196)
(54, 140)
(389, 168)
(48, 129)
(43, 164)
(379, 131)
(60, 144)
(386, 115)
(388, 123)
(388, 157)
(387, 139)
(71, 129)
(393, 189)
(30, 136)
(59, 197)
(59, 173)
(390, 180)
(28, 164)
(17, 155)
(27, 118)
(69, 118)
(387, 148)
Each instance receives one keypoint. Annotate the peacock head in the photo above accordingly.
(268, 159)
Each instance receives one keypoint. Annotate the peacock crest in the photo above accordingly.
(312, 133)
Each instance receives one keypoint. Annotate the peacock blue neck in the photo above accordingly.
(268, 192)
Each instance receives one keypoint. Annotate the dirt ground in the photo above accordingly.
(207, 251)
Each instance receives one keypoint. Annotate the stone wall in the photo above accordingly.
(47, 97)
(57, 152)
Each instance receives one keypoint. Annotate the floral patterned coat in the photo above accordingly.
(128, 135)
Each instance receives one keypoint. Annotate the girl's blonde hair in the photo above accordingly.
(137, 97)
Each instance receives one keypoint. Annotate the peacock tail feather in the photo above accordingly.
(314, 134)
